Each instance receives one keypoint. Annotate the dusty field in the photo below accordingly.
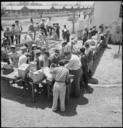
(103, 107)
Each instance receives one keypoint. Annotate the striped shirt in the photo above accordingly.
(60, 74)
(74, 63)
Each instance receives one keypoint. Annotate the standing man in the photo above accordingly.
(74, 66)
(13, 32)
(14, 56)
(18, 30)
(64, 33)
(61, 76)
(89, 54)
(84, 63)
(49, 26)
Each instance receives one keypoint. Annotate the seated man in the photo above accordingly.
(13, 56)
(61, 75)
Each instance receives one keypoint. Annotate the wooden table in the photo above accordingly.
(14, 76)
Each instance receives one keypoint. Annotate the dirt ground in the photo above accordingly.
(101, 108)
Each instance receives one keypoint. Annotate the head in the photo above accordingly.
(87, 45)
(28, 55)
(13, 48)
(82, 50)
(61, 63)
(67, 55)
(7, 29)
(34, 47)
(64, 44)
(64, 26)
(43, 50)
(49, 18)
(37, 53)
(17, 22)
(13, 25)
(56, 52)
(46, 54)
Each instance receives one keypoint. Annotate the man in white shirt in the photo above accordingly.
(22, 58)
(49, 26)
(74, 66)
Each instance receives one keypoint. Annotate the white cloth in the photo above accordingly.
(22, 60)
(74, 63)
(49, 23)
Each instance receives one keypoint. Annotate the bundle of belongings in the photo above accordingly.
(7, 68)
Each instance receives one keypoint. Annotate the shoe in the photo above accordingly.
(54, 110)
(63, 110)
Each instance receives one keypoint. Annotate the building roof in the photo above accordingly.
(15, 7)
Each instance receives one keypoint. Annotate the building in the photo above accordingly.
(106, 12)
(23, 11)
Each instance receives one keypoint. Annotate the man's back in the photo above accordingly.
(60, 74)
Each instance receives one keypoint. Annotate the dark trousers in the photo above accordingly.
(12, 40)
(75, 88)
(84, 78)
(18, 39)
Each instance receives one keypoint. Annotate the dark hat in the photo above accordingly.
(64, 43)
(82, 49)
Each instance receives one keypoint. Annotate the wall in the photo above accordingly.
(106, 12)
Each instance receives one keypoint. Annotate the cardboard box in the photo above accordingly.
(23, 70)
(37, 75)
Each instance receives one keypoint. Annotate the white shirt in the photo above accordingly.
(74, 63)
(22, 60)
(49, 23)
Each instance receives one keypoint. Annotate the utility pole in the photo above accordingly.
(73, 21)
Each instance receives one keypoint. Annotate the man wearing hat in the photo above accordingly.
(84, 63)
(56, 57)
(34, 47)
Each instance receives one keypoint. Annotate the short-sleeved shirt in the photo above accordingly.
(74, 63)
(60, 74)
(22, 60)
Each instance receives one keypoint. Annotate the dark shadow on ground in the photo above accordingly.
(71, 107)
(41, 101)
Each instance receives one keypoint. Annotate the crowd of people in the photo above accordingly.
(62, 63)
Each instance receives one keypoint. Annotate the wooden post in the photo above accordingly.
(73, 21)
